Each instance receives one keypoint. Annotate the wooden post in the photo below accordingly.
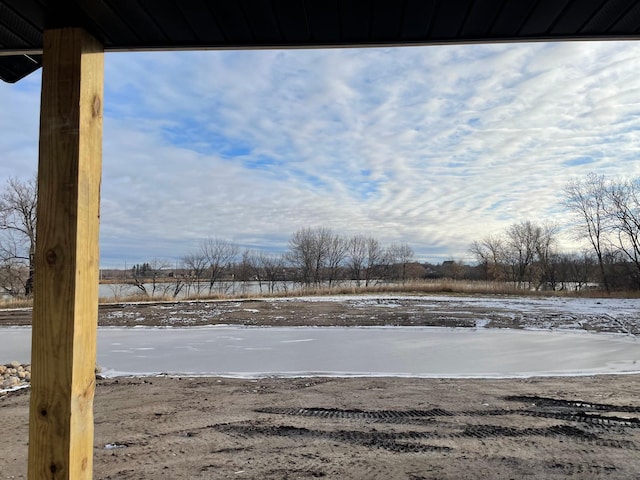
(65, 307)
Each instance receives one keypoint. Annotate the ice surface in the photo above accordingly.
(339, 351)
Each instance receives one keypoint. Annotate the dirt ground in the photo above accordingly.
(364, 428)
(361, 428)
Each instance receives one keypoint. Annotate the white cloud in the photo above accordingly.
(435, 146)
(19, 121)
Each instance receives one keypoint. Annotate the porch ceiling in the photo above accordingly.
(238, 24)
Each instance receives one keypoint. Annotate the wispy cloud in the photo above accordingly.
(435, 146)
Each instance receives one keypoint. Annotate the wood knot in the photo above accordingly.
(96, 109)
(51, 257)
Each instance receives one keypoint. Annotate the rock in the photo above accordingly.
(11, 382)
(14, 374)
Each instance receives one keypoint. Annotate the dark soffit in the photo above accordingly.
(238, 24)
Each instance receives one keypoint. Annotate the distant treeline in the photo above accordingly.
(605, 214)
(316, 257)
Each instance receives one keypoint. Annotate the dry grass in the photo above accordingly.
(136, 297)
(599, 293)
(416, 287)
(16, 303)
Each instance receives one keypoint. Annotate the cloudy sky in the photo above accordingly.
(433, 146)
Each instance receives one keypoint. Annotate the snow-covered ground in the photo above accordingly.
(557, 305)
(601, 314)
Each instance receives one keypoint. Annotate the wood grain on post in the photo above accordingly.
(65, 307)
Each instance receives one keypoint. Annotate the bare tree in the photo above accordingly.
(587, 200)
(13, 275)
(356, 257)
(302, 254)
(317, 254)
(273, 267)
(219, 254)
(251, 268)
(336, 254)
(624, 209)
(322, 244)
(154, 278)
(175, 288)
(18, 203)
(195, 264)
(490, 253)
(365, 257)
(374, 260)
(399, 255)
(308, 253)
(546, 257)
(575, 269)
(522, 241)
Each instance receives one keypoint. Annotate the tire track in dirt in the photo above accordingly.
(415, 416)
(581, 425)
(553, 402)
(402, 442)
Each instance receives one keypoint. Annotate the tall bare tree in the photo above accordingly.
(18, 202)
(624, 209)
(522, 241)
(587, 200)
(303, 254)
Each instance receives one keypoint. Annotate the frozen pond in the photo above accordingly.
(374, 351)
